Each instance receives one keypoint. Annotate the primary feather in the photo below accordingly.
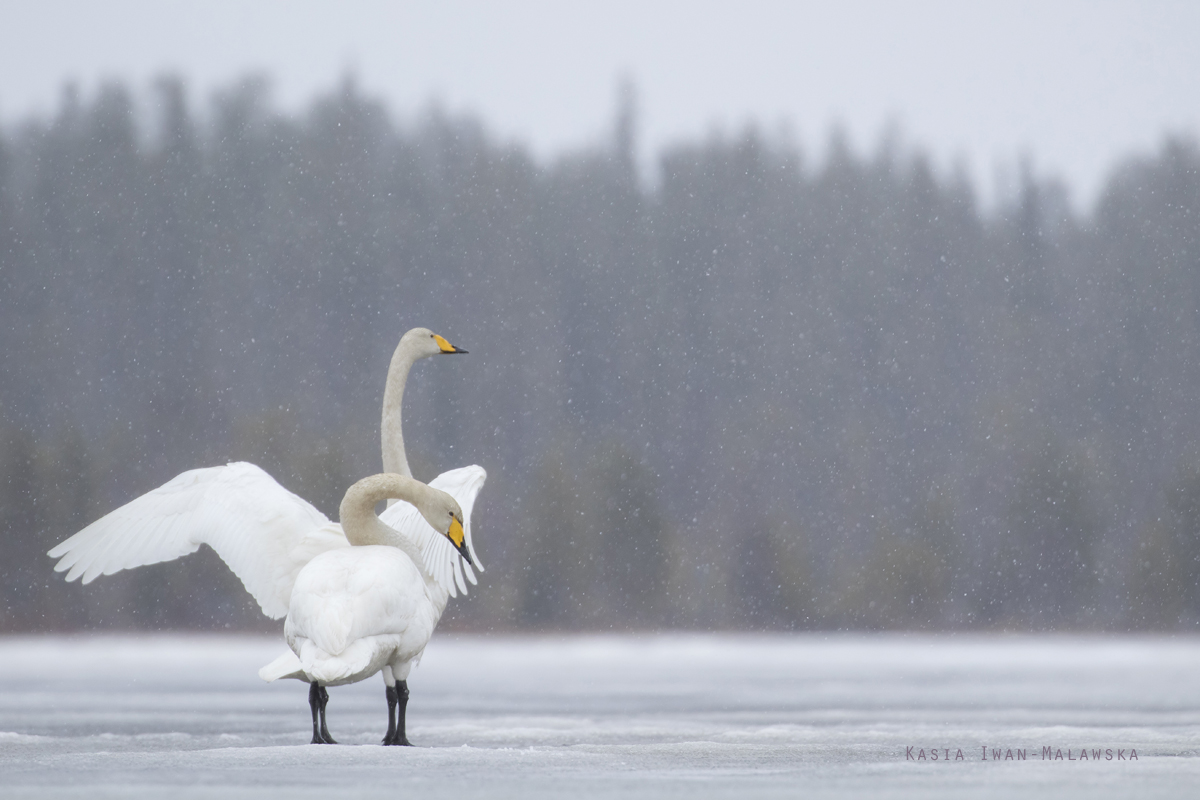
(441, 560)
(263, 532)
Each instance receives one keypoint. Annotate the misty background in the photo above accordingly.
(721, 376)
(769, 392)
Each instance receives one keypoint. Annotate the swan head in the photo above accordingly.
(424, 343)
(443, 513)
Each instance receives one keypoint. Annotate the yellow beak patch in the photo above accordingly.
(456, 532)
(444, 345)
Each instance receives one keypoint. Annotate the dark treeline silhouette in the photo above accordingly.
(758, 393)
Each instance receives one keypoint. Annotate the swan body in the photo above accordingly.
(355, 611)
(372, 607)
(263, 532)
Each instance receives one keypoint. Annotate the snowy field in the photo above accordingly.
(658, 716)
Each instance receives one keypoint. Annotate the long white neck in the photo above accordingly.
(363, 527)
(391, 432)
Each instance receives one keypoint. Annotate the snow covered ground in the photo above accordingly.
(597, 716)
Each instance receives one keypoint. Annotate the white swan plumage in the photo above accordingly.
(263, 532)
(372, 607)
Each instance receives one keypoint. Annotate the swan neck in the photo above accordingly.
(391, 430)
(363, 526)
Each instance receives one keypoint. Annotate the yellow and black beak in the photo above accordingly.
(446, 346)
(459, 539)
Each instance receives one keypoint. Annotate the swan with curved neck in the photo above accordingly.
(363, 527)
(371, 607)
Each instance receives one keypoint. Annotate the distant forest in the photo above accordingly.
(754, 390)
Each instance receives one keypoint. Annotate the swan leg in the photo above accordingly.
(314, 703)
(401, 707)
(324, 698)
(390, 736)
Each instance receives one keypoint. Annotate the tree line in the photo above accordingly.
(757, 390)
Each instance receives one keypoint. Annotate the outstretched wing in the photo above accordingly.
(441, 559)
(263, 532)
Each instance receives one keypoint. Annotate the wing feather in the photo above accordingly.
(263, 532)
(442, 561)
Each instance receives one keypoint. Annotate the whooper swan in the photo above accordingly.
(263, 532)
(358, 610)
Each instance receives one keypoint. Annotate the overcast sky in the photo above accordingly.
(1074, 84)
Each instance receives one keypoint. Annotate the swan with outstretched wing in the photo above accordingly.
(265, 544)
(263, 532)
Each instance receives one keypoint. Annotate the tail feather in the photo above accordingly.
(286, 666)
(361, 658)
